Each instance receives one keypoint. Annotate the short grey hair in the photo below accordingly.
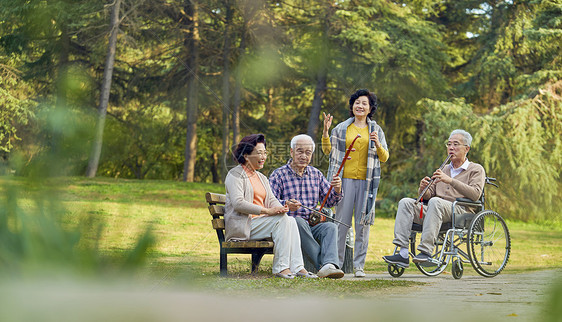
(467, 137)
(302, 136)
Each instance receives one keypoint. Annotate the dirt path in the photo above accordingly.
(506, 297)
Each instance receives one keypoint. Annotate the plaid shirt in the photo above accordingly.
(309, 189)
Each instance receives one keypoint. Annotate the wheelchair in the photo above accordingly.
(481, 239)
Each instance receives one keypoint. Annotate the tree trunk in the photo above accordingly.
(319, 94)
(214, 168)
(226, 91)
(236, 110)
(192, 45)
(321, 78)
(61, 98)
(64, 45)
(105, 89)
(238, 90)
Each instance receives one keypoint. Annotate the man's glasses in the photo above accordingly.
(454, 144)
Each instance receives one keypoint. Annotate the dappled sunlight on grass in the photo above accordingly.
(181, 223)
(186, 242)
(181, 270)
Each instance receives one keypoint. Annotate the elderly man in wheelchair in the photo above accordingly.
(453, 193)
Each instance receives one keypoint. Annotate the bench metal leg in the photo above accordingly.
(256, 259)
(223, 264)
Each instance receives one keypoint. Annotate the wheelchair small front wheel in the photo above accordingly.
(395, 270)
(457, 269)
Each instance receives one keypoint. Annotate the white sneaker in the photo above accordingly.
(359, 272)
(330, 271)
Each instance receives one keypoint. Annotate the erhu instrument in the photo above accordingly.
(432, 180)
(317, 217)
(339, 170)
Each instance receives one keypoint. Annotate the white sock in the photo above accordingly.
(404, 252)
(328, 266)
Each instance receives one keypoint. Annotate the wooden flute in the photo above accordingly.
(432, 180)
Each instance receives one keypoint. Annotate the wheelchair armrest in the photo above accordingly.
(464, 200)
(469, 202)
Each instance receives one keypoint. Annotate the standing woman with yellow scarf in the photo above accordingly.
(361, 173)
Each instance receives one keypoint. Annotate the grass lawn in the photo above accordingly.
(186, 249)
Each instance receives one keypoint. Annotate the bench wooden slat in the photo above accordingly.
(248, 244)
(214, 198)
(257, 248)
(218, 223)
(216, 211)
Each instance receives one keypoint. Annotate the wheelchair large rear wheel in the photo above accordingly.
(489, 244)
(432, 270)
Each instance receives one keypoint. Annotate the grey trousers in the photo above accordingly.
(351, 206)
(319, 243)
(436, 212)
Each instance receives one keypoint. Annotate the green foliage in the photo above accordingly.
(145, 144)
(34, 240)
(14, 114)
(518, 143)
(508, 79)
(524, 146)
(493, 67)
(34, 236)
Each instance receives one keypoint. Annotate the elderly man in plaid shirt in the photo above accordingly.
(298, 184)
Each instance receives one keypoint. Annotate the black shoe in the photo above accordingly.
(397, 260)
(421, 258)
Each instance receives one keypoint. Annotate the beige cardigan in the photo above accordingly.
(239, 203)
(467, 184)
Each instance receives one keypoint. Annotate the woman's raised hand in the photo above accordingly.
(327, 123)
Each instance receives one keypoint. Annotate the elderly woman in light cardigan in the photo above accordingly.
(253, 213)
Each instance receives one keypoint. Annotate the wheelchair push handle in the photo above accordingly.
(491, 181)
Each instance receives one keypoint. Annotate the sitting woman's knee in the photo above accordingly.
(288, 221)
(285, 220)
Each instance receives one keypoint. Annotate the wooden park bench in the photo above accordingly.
(257, 248)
